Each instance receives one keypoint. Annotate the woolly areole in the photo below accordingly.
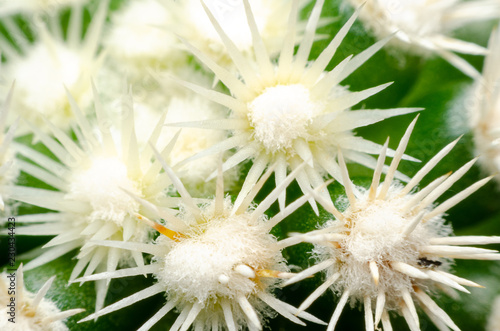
(281, 114)
(375, 234)
(216, 263)
(102, 185)
(391, 245)
(290, 111)
(33, 311)
(226, 249)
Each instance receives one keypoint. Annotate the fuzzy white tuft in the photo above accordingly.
(103, 185)
(424, 26)
(391, 245)
(140, 39)
(96, 178)
(292, 111)
(368, 240)
(33, 312)
(282, 114)
(43, 69)
(216, 263)
(40, 77)
(213, 249)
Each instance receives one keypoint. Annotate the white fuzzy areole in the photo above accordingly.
(40, 80)
(26, 322)
(193, 268)
(282, 114)
(140, 38)
(102, 185)
(409, 19)
(410, 14)
(27, 317)
(376, 234)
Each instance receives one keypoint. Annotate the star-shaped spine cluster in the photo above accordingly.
(92, 180)
(33, 312)
(425, 26)
(391, 246)
(42, 69)
(292, 111)
(216, 263)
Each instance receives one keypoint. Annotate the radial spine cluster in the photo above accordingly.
(33, 312)
(392, 270)
(425, 26)
(216, 263)
(43, 69)
(293, 111)
(95, 181)
(140, 40)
